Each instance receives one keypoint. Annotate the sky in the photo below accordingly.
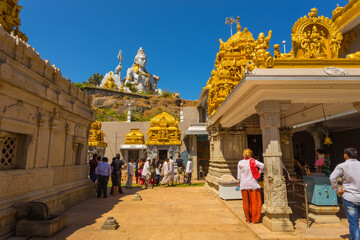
(180, 38)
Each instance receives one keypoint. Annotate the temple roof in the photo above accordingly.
(163, 130)
(134, 137)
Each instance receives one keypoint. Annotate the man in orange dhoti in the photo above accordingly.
(250, 189)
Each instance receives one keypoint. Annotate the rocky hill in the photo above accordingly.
(114, 108)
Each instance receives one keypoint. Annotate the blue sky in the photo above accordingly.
(180, 38)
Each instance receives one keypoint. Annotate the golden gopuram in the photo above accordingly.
(241, 53)
(316, 40)
(163, 136)
(134, 137)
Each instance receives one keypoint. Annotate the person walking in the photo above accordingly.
(189, 167)
(103, 171)
(180, 169)
(117, 165)
(141, 166)
(167, 177)
(130, 173)
(350, 192)
(247, 173)
(152, 172)
(146, 173)
(158, 171)
(171, 168)
(93, 164)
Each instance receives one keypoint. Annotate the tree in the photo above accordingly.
(95, 79)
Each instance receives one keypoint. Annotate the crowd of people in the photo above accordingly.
(146, 172)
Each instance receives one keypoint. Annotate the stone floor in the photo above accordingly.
(164, 213)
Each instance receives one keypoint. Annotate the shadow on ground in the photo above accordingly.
(92, 213)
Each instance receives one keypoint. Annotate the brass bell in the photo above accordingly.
(327, 140)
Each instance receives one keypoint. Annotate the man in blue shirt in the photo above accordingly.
(103, 171)
(349, 172)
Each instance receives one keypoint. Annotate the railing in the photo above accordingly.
(304, 185)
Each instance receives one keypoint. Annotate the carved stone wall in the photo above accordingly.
(50, 119)
(226, 147)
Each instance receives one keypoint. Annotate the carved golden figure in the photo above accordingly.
(96, 137)
(315, 37)
(110, 83)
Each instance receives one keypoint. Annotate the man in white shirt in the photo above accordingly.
(349, 172)
(166, 170)
(171, 167)
(146, 173)
(189, 171)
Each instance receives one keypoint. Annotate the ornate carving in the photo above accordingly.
(353, 56)
(9, 17)
(240, 54)
(96, 138)
(134, 137)
(334, 71)
(348, 38)
(315, 37)
(110, 83)
(163, 130)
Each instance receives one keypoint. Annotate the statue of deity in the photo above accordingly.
(138, 76)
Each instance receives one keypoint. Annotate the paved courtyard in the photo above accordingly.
(164, 213)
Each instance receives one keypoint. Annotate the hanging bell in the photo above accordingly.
(327, 140)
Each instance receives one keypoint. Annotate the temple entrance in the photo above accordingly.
(134, 154)
(163, 155)
(255, 144)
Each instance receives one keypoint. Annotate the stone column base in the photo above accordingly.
(278, 222)
(324, 214)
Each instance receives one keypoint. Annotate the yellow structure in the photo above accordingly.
(239, 54)
(110, 83)
(134, 137)
(96, 138)
(9, 17)
(163, 130)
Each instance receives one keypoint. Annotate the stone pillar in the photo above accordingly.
(226, 147)
(275, 196)
(194, 156)
(126, 155)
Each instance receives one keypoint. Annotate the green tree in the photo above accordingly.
(95, 79)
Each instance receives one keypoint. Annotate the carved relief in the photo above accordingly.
(163, 130)
(134, 137)
(240, 54)
(18, 112)
(315, 37)
(96, 137)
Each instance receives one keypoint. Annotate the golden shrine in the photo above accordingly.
(9, 17)
(134, 137)
(239, 54)
(315, 41)
(96, 138)
(163, 130)
(110, 83)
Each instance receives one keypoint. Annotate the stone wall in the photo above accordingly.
(44, 125)
(108, 92)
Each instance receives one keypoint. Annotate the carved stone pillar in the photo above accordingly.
(275, 196)
(226, 147)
